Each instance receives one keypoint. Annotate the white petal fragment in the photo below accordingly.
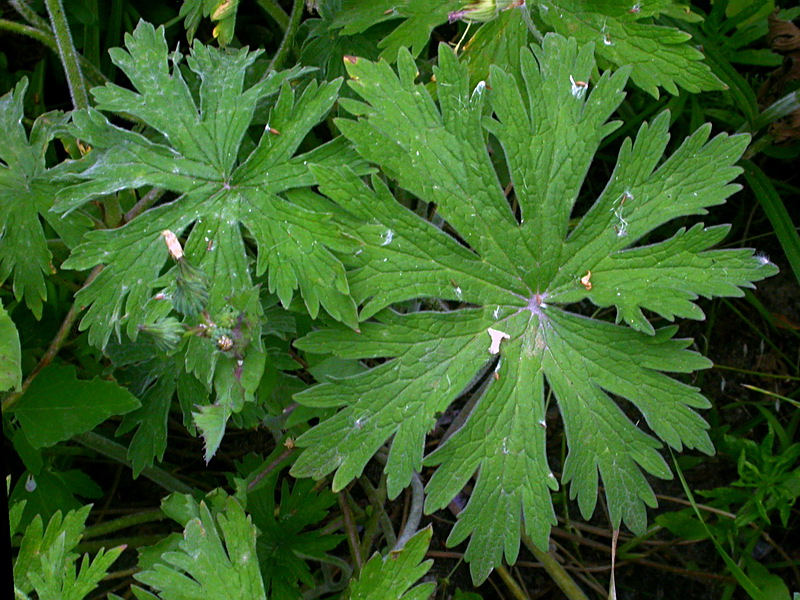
(497, 337)
(173, 245)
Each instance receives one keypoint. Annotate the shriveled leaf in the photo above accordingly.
(508, 278)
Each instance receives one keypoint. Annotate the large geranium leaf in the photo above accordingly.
(508, 267)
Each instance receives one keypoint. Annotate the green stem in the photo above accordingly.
(557, 572)
(123, 523)
(69, 57)
(119, 453)
(274, 10)
(46, 38)
(350, 530)
(130, 542)
(377, 498)
(511, 583)
(288, 37)
(30, 15)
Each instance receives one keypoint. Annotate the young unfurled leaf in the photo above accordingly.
(391, 577)
(193, 149)
(26, 196)
(511, 274)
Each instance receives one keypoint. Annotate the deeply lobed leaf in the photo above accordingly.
(193, 150)
(511, 275)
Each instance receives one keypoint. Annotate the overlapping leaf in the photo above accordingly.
(512, 275)
(195, 148)
(622, 30)
(624, 34)
(26, 196)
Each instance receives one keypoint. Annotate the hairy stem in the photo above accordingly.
(69, 57)
(274, 10)
(46, 38)
(30, 15)
(145, 202)
(288, 36)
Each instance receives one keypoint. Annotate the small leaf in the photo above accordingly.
(193, 149)
(10, 366)
(392, 577)
(57, 406)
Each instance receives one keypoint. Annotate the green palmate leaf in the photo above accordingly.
(26, 196)
(391, 577)
(511, 275)
(57, 406)
(46, 562)
(10, 366)
(217, 559)
(193, 149)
